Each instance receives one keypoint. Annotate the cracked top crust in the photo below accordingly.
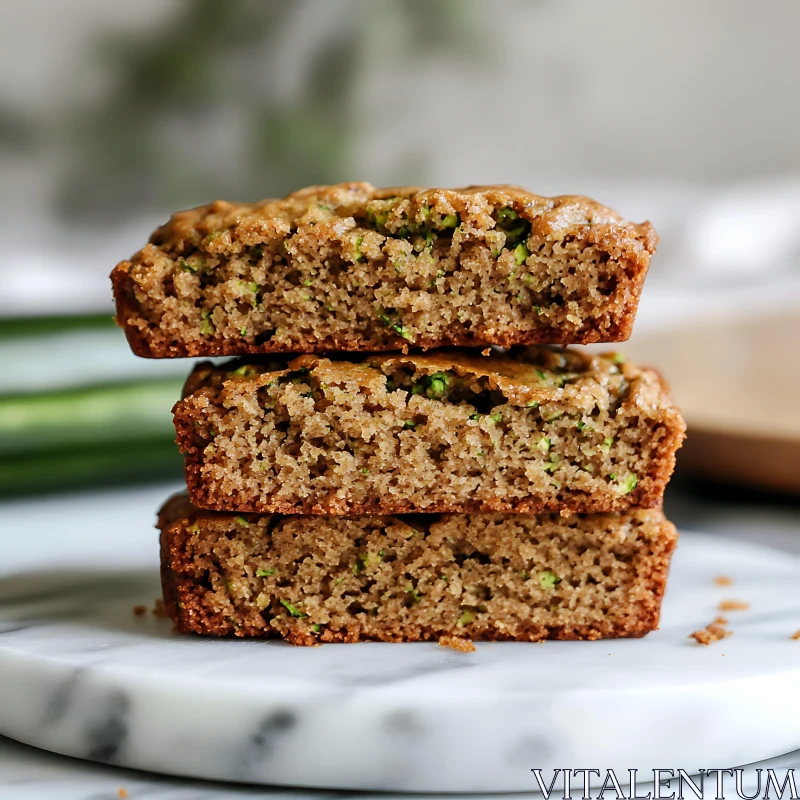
(238, 225)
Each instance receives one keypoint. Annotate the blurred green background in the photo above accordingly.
(114, 115)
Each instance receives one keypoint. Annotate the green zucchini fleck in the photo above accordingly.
(293, 610)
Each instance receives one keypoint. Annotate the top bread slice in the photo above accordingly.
(354, 268)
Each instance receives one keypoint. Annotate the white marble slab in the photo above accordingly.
(81, 675)
(30, 774)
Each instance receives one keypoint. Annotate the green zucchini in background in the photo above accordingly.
(48, 325)
(119, 463)
(85, 436)
(88, 415)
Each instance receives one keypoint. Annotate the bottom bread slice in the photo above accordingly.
(412, 578)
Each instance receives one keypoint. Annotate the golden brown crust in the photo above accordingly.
(209, 563)
(141, 345)
(574, 427)
(162, 319)
(649, 496)
(246, 224)
(518, 373)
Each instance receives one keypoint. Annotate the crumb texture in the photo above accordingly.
(351, 267)
(448, 578)
(538, 429)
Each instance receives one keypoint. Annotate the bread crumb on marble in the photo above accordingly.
(457, 643)
(713, 632)
(159, 609)
(733, 605)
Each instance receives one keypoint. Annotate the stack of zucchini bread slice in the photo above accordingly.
(401, 447)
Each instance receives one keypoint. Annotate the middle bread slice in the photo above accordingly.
(533, 429)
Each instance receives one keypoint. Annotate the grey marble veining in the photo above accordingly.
(81, 675)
